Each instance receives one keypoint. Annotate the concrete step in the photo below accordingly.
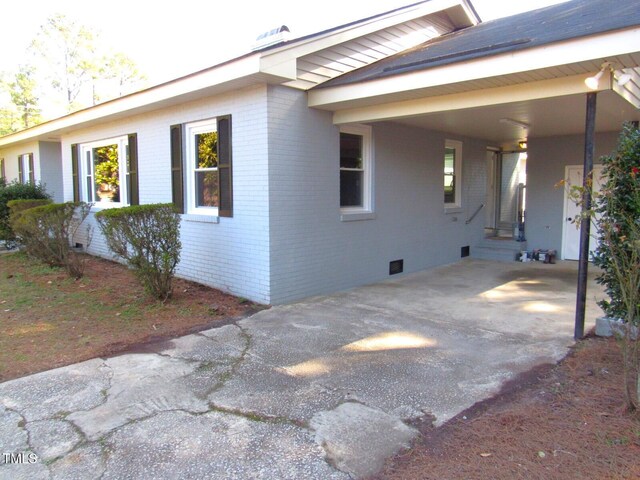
(497, 248)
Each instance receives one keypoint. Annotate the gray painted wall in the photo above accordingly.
(312, 250)
(546, 161)
(231, 254)
(51, 169)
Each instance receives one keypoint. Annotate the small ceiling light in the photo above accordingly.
(522, 144)
(623, 79)
(517, 123)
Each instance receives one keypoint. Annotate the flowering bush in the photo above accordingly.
(618, 252)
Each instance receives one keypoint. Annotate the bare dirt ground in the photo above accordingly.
(564, 421)
(48, 320)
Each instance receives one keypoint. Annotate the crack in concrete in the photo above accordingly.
(22, 425)
(256, 416)
(226, 376)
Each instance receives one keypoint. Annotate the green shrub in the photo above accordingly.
(16, 191)
(147, 237)
(619, 207)
(46, 232)
(16, 208)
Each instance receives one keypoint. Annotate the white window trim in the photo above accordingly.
(26, 172)
(456, 206)
(191, 130)
(122, 142)
(367, 179)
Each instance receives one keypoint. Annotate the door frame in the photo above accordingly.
(565, 201)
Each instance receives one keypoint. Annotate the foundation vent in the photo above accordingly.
(465, 251)
(396, 266)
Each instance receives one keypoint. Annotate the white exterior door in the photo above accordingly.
(571, 234)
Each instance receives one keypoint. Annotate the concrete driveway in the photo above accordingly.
(318, 389)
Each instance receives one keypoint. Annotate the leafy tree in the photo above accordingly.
(20, 110)
(78, 68)
(123, 71)
(23, 96)
(9, 120)
(68, 51)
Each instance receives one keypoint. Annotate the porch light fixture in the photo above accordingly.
(517, 123)
(522, 144)
(623, 78)
(593, 82)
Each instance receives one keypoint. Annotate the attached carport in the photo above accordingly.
(510, 81)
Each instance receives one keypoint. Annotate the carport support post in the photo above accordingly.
(585, 224)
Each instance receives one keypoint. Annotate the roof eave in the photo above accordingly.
(566, 52)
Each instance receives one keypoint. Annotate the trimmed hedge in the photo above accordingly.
(16, 191)
(46, 232)
(147, 237)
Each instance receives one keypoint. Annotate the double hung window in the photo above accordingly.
(452, 174)
(105, 172)
(355, 169)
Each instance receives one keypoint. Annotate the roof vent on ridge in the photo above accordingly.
(272, 37)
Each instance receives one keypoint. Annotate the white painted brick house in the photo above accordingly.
(342, 157)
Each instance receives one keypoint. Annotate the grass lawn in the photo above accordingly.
(49, 320)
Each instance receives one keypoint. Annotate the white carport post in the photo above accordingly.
(585, 224)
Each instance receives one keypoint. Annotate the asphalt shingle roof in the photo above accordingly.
(565, 21)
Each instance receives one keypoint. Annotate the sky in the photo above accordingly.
(167, 41)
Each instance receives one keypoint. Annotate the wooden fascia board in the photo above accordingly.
(314, 44)
(599, 46)
(555, 87)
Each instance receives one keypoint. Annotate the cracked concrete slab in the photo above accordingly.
(86, 461)
(14, 436)
(256, 387)
(51, 439)
(214, 445)
(57, 392)
(228, 336)
(202, 348)
(296, 391)
(358, 439)
(141, 385)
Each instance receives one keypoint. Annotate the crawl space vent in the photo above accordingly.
(464, 251)
(396, 266)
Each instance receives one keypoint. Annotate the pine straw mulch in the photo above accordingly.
(564, 421)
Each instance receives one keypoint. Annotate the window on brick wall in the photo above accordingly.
(105, 171)
(26, 172)
(452, 174)
(356, 164)
(201, 167)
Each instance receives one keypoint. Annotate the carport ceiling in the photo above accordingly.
(546, 117)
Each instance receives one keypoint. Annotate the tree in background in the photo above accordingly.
(67, 51)
(69, 68)
(23, 111)
(23, 95)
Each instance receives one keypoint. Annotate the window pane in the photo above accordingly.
(207, 189)
(351, 188)
(106, 173)
(207, 150)
(449, 160)
(449, 189)
(449, 175)
(350, 151)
